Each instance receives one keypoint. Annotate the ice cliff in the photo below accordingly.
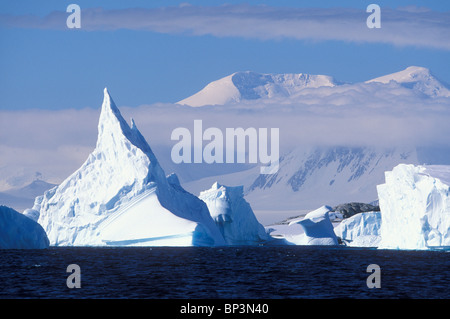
(415, 207)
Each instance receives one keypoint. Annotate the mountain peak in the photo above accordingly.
(410, 74)
(249, 85)
(417, 78)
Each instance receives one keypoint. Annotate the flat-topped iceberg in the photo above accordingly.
(415, 207)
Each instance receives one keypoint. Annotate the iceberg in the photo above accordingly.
(121, 197)
(20, 232)
(415, 207)
(317, 226)
(360, 230)
(233, 215)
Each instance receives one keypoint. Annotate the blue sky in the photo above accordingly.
(44, 65)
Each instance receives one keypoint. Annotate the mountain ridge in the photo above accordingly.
(248, 86)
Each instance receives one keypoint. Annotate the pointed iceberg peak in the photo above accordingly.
(113, 130)
(109, 106)
(111, 123)
(121, 196)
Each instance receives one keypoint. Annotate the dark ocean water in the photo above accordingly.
(229, 272)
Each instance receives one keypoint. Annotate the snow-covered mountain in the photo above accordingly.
(241, 86)
(120, 196)
(23, 197)
(417, 78)
(250, 86)
(307, 178)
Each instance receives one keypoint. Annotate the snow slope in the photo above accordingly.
(309, 177)
(415, 207)
(20, 232)
(285, 88)
(233, 215)
(120, 196)
(417, 78)
(241, 86)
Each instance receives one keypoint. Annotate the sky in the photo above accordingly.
(153, 53)
(163, 51)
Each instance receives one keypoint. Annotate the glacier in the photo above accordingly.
(17, 231)
(234, 215)
(120, 196)
(415, 207)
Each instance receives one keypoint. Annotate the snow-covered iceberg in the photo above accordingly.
(120, 196)
(360, 230)
(233, 215)
(318, 228)
(20, 232)
(415, 207)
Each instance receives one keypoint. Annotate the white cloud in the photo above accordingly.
(408, 26)
(56, 143)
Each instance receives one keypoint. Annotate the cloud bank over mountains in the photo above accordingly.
(361, 114)
(405, 26)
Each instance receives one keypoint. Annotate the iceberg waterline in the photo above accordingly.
(121, 196)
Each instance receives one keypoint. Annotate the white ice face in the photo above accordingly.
(415, 207)
(360, 230)
(233, 215)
